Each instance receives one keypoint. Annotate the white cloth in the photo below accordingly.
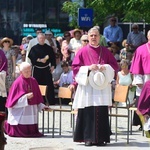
(86, 96)
(22, 113)
(32, 43)
(3, 91)
(74, 45)
(147, 125)
(82, 76)
(140, 79)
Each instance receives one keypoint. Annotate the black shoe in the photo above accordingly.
(140, 128)
(88, 143)
(101, 144)
(110, 132)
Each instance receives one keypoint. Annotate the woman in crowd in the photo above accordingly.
(124, 77)
(75, 42)
(65, 46)
(6, 44)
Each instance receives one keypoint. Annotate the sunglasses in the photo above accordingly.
(23, 55)
(85, 40)
(67, 36)
(6, 41)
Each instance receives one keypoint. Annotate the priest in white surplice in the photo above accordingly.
(93, 95)
(24, 102)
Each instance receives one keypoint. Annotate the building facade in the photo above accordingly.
(17, 14)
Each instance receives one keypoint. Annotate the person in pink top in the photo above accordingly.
(65, 46)
(3, 95)
(24, 102)
(144, 107)
(140, 68)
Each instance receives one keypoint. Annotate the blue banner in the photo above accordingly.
(85, 17)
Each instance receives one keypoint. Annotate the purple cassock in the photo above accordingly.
(144, 99)
(141, 60)
(3, 73)
(3, 94)
(3, 61)
(89, 55)
(22, 113)
(92, 121)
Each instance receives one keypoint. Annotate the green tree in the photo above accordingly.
(72, 9)
(126, 11)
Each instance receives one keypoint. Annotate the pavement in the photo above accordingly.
(65, 140)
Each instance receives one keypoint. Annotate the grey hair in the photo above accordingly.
(84, 36)
(24, 65)
(93, 29)
(135, 25)
(40, 34)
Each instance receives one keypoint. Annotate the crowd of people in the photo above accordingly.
(90, 64)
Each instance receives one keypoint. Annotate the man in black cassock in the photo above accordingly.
(43, 61)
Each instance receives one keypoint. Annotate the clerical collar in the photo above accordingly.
(94, 46)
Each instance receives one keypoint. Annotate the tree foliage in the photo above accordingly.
(125, 10)
(72, 9)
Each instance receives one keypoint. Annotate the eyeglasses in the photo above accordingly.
(6, 41)
(85, 40)
(23, 55)
(113, 20)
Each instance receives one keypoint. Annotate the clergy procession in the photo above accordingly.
(91, 65)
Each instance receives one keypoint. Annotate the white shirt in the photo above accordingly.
(140, 79)
(86, 95)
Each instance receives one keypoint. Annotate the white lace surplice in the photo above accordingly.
(86, 95)
(22, 113)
